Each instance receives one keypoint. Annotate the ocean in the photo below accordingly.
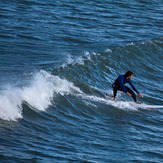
(58, 60)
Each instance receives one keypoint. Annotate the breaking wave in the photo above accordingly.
(88, 78)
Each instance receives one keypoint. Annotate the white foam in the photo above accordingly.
(118, 104)
(70, 59)
(108, 50)
(38, 94)
(125, 105)
(10, 102)
(77, 60)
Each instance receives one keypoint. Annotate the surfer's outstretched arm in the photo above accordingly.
(133, 87)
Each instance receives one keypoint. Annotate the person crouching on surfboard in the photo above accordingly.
(119, 85)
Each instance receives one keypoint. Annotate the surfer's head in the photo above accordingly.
(128, 75)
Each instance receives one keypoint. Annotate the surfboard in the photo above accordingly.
(152, 106)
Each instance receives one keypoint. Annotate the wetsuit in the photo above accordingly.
(119, 85)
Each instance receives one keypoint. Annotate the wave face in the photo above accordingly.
(58, 62)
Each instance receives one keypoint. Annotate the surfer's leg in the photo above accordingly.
(115, 91)
(132, 93)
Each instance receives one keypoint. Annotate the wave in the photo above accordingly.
(38, 95)
(44, 86)
(89, 78)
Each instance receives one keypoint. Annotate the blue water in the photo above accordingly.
(58, 60)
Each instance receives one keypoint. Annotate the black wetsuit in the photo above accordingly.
(119, 85)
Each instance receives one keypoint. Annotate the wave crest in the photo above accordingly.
(38, 95)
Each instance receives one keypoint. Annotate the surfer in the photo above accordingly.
(119, 85)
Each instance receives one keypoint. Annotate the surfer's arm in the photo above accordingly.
(133, 87)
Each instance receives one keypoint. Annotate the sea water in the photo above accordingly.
(58, 60)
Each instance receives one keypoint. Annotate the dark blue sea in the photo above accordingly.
(58, 60)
